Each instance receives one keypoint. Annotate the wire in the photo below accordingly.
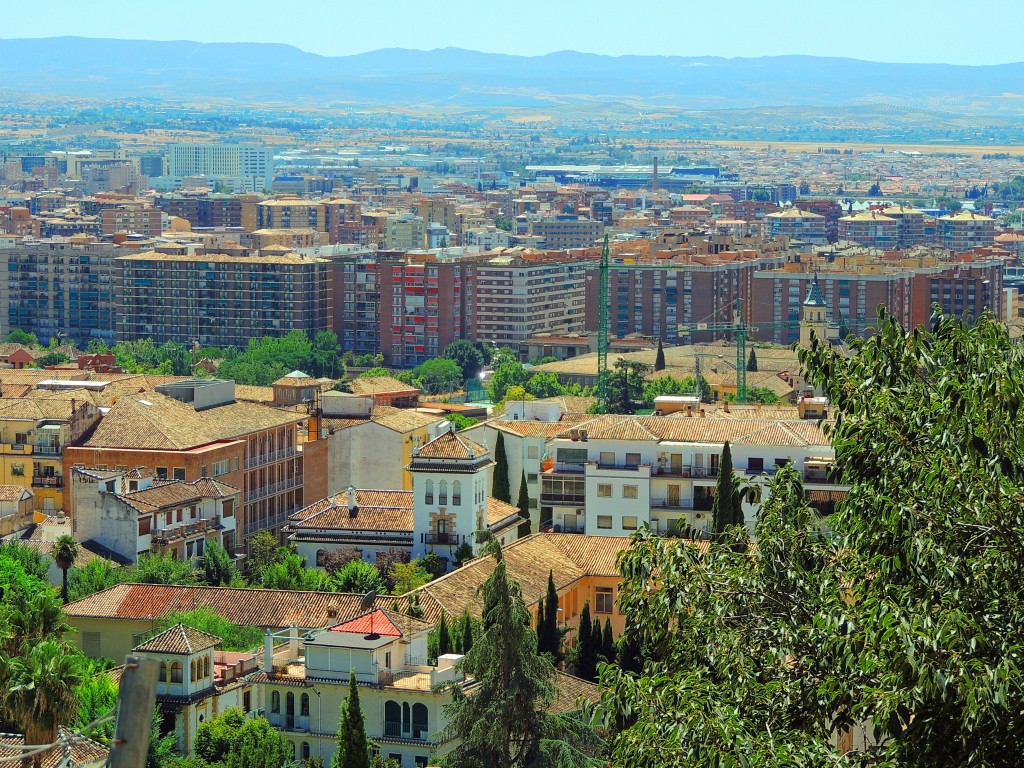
(66, 739)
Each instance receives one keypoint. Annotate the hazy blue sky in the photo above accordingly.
(889, 30)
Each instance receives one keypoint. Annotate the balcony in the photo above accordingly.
(671, 503)
(273, 521)
(197, 529)
(263, 459)
(561, 468)
(47, 481)
(443, 539)
(274, 488)
(290, 722)
(562, 499)
(46, 450)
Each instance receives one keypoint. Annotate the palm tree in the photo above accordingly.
(33, 618)
(65, 550)
(37, 689)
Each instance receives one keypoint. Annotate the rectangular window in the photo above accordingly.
(531, 452)
(572, 456)
(604, 522)
(632, 459)
(605, 600)
(145, 524)
(179, 473)
(221, 467)
(629, 491)
(755, 465)
(604, 490)
(607, 457)
(531, 477)
(629, 523)
(18, 470)
(161, 473)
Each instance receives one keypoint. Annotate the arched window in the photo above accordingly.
(428, 494)
(392, 719)
(320, 557)
(305, 750)
(405, 717)
(442, 492)
(275, 703)
(456, 493)
(177, 672)
(304, 705)
(289, 704)
(206, 667)
(420, 721)
(192, 672)
(163, 672)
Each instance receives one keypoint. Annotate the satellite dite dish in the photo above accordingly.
(367, 604)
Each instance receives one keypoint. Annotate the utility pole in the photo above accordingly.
(135, 702)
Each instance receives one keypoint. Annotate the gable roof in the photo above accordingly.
(379, 385)
(373, 622)
(181, 640)
(376, 510)
(450, 445)
(69, 752)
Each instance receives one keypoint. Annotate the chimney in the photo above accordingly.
(268, 652)
(353, 510)
(725, 406)
(293, 641)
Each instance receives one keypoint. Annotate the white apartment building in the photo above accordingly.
(242, 165)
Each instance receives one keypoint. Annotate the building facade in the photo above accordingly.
(245, 165)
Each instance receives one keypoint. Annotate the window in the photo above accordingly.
(221, 467)
(420, 721)
(532, 452)
(161, 473)
(428, 493)
(572, 456)
(304, 705)
(755, 465)
(206, 667)
(179, 473)
(629, 491)
(782, 462)
(604, 521)
(18, 470)
(392, 719)
(604, 490)
(247, 701)
(442, 492)
(456, 493)
(163, 673)
(605, 600)
(629, 523)
(531, 477)
(632, 459)
(422, 761)
(275, 703)
(177, 672)
(607, 457)
(305, 750)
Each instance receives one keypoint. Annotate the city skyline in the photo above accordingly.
(875, 31)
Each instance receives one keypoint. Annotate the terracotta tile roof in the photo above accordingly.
(35, 409)
(498, 511)
(298, 379)
(181, 640)
(254, 394)
(543, 429)
(374, 622)
(451, 445)
(379, 385)
(175, 493)
(402, 419)
(274, 608)
(79, 753)
(13, 492)
(377, 510)
(569, 691)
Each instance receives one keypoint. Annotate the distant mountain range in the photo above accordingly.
(247, 72)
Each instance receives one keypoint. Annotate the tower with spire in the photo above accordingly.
(814, 319)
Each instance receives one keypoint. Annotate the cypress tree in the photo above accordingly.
(524, 506)
(752, 361)
(549, 639)
(586, 646)
(723, 510)
(608, 643)
(500, 486)
(353, 748)
(444, 640)
(597, 637)
(659, 359)
(466, 632)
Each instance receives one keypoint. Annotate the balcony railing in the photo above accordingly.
(289, 722)
(198, 528)
(671, 503)
(562, 499)
(46, 481)
(46, 450)
(450, 539)
(268, 458)
(273, 489)
(254, 526)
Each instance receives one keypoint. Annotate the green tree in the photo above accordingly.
(587, 646)
(97, 696)
(500, 482)
(257, 745)
(160, 569)
(218, 566)
(216, 736)
(626, 385)
(659, 358)
(326, 360)
(463, 554)
(433, 564)
(523, 503)
(374, 373)
(444, 640)
(262, 553)
(438, 375)
(64, 553)
(353, 746)
(727, 508)
(18, 336)
(358, 576)
(506, 375)
(465, 632)
(408, 576)
(543, 385)
(37, 689)
(549, 638)
(466, 356)
(235, 637)
(505, 722)
(29, 561)
(752, 360)
(608, 642)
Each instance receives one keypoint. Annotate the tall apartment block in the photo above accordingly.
(962, 289)
(356, 291)
(871, 229)
(829, 208)
(202, 210)
(795, 224)
(656, 299)
(327, 216)
(519, 296)
(564, 232)
(249, 166)
(909, 225)
(962, 231)
(221, 300)
(424, 306)
(134, 219)
(60, 286)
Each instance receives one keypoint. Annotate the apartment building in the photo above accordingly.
(64, 286)
(425, 304)
(403, 232)
(830, 208)
(960, 232)
(133, 219)
(34, 436)
(130, 513)
(191, 429)
(248, 166)
(202, 210)
(909, 225)
(564, 232)
(329, 217)
(870, 229)
(221, 300)
(521, 294)
(962, 289)
(654, 297)
(805, 226)
(356, 292)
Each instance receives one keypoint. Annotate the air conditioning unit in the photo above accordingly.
(580, 511)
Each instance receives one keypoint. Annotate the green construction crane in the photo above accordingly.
(603, 301)
(740, 330)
